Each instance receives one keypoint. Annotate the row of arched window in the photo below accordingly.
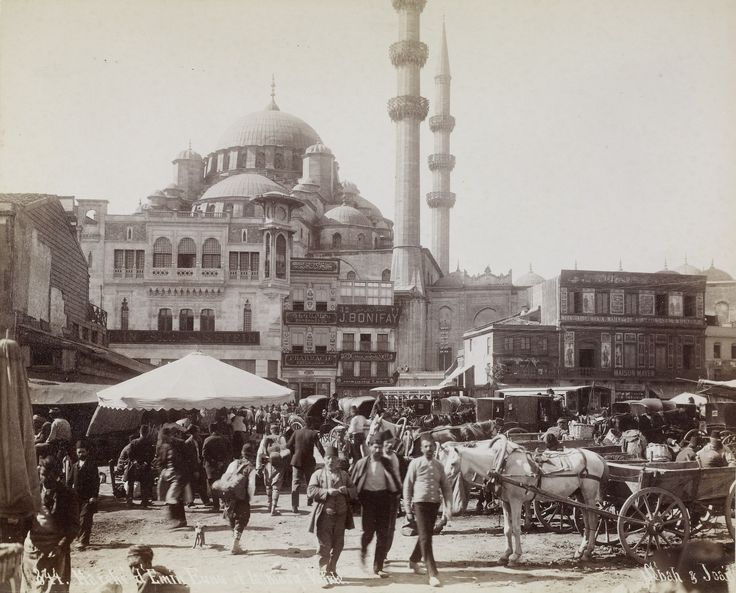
(186, 253)
(362, 242)
(385, 275)
(186, 319)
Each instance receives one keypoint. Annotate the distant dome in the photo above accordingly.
(188, 155)
(348, 187)
(347, 215)
(243, 185)
(686, 268)
(318, 148)
(270, 127)
(714, 274)
(531, 278)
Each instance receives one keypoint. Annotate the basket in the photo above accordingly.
(11, 556)
(580, 431)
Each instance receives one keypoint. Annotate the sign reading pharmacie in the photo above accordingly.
(357, 356)
(363, 381)
(310, 359)
(368, 315)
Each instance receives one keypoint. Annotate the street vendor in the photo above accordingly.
(559, 430)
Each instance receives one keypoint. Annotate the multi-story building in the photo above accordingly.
(44, 301)
(629, 331)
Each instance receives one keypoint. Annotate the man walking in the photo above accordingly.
(216, 455)
(302, 444)
(376, 483)
(84, 479)
(356, 433)
(393, 510)
(142, 452)
(424, 486)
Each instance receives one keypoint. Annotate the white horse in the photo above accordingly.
(560, 474)
(397, 429)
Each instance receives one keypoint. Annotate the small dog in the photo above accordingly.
(198, 536)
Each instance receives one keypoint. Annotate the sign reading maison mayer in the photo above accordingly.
(368, 315)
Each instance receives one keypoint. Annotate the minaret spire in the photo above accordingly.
(272, 105)
(441, 163)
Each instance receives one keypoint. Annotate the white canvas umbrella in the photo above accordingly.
(196, 381)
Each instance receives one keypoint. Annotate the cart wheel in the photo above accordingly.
(332, 437)
(557, 516)
(652, 519)
(694, 432)
(730, 510)
(296, 425)
(606, 533)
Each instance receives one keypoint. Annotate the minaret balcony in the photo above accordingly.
(408, 107)
(441, 123)
(441, 199)
(408, 52)
(441, 161)
(409, 5)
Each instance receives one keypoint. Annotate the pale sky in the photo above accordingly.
(586, 130)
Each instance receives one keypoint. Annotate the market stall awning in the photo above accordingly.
(50, 393)
(194, 382)
(454, 374)
(684, 398)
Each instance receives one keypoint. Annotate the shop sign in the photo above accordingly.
(368, 315)
(355, 356)
(310, 359)
(363, 381)
(310, 317)
(301, 265)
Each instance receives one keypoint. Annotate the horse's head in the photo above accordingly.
(449, 456)
(376, 426)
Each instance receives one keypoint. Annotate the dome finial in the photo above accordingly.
(272, 106)
(620, 266)
(576, 264)
(665, 264)
(530, 267)
(712, 262)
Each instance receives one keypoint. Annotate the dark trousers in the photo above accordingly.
(299, 476)
(213, 494)
(238, 514)
(331, 538)
(375, 519)
(86, 514)
(356, 446)
(141, 472)
(393, 510)
(425, 514)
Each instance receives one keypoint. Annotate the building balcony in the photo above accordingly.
(96, 315)
(171, 274)
(183, 337)
(249, 275)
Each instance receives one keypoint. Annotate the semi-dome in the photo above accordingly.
(270, 127)
(714, 274)
(318, 148)
(347, 215)
(531, 278)
(243, 185)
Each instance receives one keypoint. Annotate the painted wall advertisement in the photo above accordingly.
(569, 349)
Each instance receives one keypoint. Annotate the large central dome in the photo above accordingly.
(270, 127)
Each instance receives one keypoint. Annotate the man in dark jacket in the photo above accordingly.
(216, 455)
(84, 479)
(302, 444)
(377, 484)
(142, 452)
(194, 454)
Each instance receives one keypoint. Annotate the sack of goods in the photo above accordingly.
(233, 485)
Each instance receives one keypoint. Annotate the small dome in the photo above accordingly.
(157, 194)
(714, 274)
(686, 268)
(349, 188)
(347, 215)
(531, 278)
(270, 127)
(188, 155)
(244, 185)
(318, 148)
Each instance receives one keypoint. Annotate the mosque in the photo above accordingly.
(261, 253)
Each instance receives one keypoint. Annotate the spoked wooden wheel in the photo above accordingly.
(333, 436)
(729, 510)
(652, 519)
(606, 531)
(296, 425)
(557, 516)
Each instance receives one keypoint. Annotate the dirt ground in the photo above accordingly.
(281, 555)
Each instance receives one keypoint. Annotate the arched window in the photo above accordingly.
(186, 320)
(386, 275)
(186, 256)
(350, 275)
(247, 317)
(227, 209)
(267, 263)
(722, 312)
(164, 320)
(124, 315)
(211, 253)
(485, 316)
(278, 160)
(375, 242)
(162, 253)
(337, 241)
(210, 210)
(129, 234)
(207, 320)
(244, 235)
(361, 240)
(260, 159)
(280, 257)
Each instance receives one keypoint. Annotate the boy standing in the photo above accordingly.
(332, 489)
(84, 479)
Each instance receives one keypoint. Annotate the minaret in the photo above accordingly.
(408, 109)
(441, 163)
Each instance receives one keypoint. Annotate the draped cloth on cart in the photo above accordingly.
(194, 382)
(20, 492)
